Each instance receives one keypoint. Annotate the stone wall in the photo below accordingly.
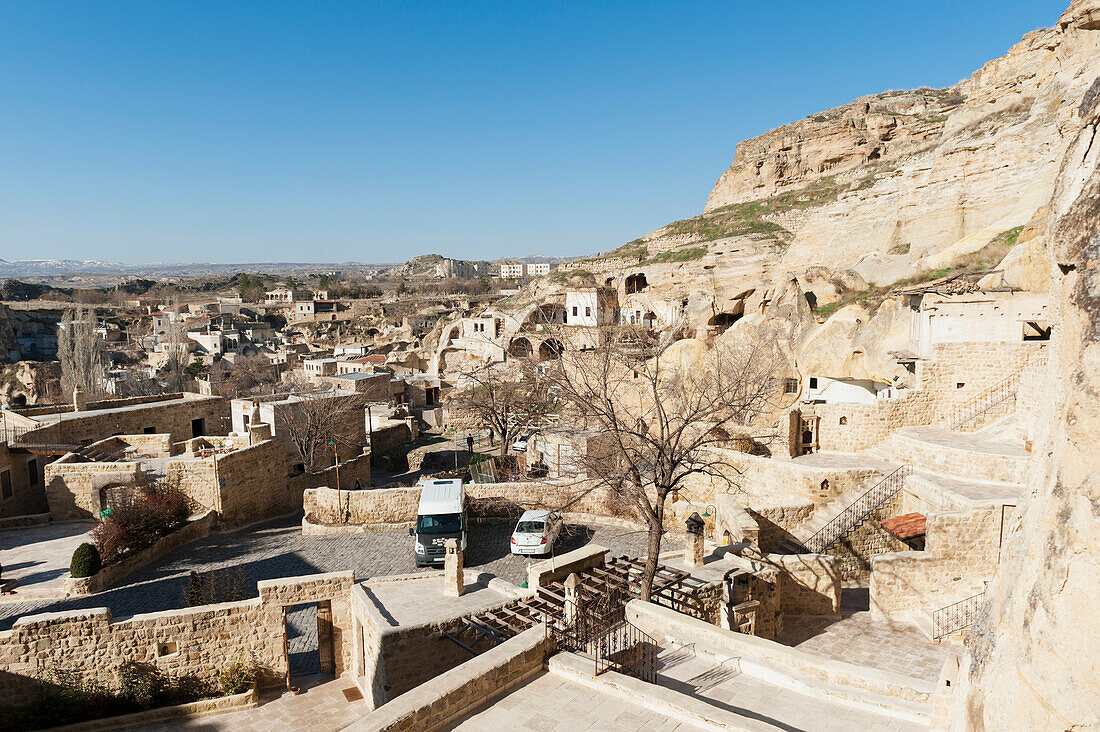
(753, 480)
(662, 624)
(196, 528)
(961, 552)
(28, 495)
(73, 488)
(197, 641)
(776, 522)
(856, 548)
(390, 506)
(246, 485)
(463, 688)
(387, 660)
(957, 373)
(810, 583)
(173, 416)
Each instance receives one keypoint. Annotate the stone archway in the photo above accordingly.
(520, 348)
(550, 349)
(636, 283)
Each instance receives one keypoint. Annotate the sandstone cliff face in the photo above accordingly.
(884, 189)
(927, 175)
(1034, 656)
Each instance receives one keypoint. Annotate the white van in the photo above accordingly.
(441, 515)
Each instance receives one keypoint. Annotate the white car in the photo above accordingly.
(536, 532)
(520, 445)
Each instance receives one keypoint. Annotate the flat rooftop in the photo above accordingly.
(419, 599)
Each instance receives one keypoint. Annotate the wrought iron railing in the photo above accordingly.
(956, 617)
(627, 649)
(857, 511)
(965, 414)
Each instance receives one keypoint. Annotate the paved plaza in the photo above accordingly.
(321, 707)
(278, 549)
(857, 637)
(41, 572)
(548, 703)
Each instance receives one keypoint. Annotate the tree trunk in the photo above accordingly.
(656, 530)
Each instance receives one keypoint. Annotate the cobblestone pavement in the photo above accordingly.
(278, 549)
(858, 638)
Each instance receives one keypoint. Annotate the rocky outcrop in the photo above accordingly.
(9, 347)
(1034, 656)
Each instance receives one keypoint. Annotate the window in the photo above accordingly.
(32, 471)
(844, 420)
(5, 484)
(1035, 331)
(790, 386)
(588, 312)
(813, 382)
(150, 430)
(574, 311)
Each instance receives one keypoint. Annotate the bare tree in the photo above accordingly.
(505, 400)
(319, 420)
(176, 339)
(80, 351)
(658, 408)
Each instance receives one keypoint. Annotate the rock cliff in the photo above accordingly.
(886, 190)
(1034, 656)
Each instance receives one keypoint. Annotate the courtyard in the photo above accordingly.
(277, 548)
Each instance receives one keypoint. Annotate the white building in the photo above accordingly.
(979, 317)
(511, 270)
(538, 269)
(590, 307)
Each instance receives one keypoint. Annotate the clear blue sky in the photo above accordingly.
(376, 131)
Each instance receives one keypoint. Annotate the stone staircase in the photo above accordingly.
(831, 522)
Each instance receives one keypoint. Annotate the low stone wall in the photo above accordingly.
(112, 573)
(192, 710)
(662, 624)
(389, 660)
(22, 522)
(325, 510)
(454, 693)
(549, 571)
(196, 642)
(961, 552)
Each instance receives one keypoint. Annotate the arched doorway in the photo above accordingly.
(550, 349)
(520, 348)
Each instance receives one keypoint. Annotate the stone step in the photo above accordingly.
(967, 456)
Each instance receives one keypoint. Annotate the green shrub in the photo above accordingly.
(237, 677)
(86, 561)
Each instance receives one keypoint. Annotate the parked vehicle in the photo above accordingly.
(536, 532)
(441, 515)
(520, 445)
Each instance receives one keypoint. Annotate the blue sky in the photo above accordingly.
(376, 131)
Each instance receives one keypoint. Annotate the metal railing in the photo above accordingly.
(857, 511)
(604, 635)
(956, 617)
(627, 649)
(982, 403)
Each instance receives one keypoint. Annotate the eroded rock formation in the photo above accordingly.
(1034, 656)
